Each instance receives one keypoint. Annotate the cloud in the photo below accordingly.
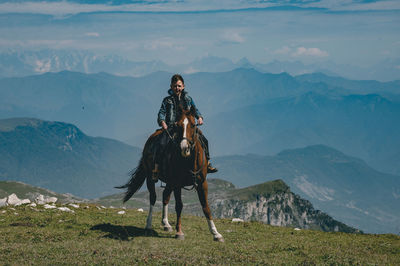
(283, 51)
(232, 37)
(352, 5)
(65, 8)
(316, 52)
(92, 34)
(300, 51)
(163, 43)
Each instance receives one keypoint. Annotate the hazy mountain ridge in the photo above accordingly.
(366, 126)
(23, 63)
(264, 113)
(60, 157)
(18, 64)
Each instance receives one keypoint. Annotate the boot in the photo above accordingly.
(155, 173)
(210, 168)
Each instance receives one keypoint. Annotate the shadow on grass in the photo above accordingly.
(124, 232)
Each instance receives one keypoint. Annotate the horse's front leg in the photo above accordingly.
(166, 197)
(202, 192)
(178, 208)
(152, 190)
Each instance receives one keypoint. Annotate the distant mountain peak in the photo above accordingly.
(317, 150)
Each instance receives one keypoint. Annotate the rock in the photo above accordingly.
(33, 204)
(121, 212)
(297, 229)
(43, 199)
(24, 201)
(65, 209)
(47, 206)
(40, 199)
(13, 199)
(76, 206)
(140, 210)
(51, 199)
(237, 220)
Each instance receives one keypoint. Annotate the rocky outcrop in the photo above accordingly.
(13, 200)
(273, 203)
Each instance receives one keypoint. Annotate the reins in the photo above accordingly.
(196, 173)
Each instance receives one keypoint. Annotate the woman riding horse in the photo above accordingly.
(167, 117)
(187, 165)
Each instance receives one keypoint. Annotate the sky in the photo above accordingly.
(353, 32)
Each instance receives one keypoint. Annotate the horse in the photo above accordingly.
(186, 166)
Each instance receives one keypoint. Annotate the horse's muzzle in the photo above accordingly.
(185, 148)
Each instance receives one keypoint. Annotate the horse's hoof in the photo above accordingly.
(180, 237)
(167, 229)
(219, 239)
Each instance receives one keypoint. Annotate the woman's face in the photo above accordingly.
(178, 87)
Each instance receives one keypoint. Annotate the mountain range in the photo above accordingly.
(245, 111)
(14, 63)
(60, 157)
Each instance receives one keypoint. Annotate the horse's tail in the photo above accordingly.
(138, 176)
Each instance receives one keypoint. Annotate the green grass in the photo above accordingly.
(93, 236)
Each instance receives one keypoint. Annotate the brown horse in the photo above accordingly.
(186, 166)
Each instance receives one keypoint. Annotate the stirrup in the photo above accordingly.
(211, 169)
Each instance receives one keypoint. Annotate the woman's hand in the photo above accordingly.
(200, 120)
(164, 125)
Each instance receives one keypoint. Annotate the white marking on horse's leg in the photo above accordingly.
(149, 218)
(213, 229)
(165, 222)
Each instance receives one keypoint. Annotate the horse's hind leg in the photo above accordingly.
(166, 197)
(202, 191)
(178, 208)
(152, 190)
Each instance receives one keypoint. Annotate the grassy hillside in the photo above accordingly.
(25, 191)
(102, 236)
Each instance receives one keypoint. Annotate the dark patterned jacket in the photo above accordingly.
(169, 107)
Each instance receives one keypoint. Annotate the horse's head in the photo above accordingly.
(186, 131)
